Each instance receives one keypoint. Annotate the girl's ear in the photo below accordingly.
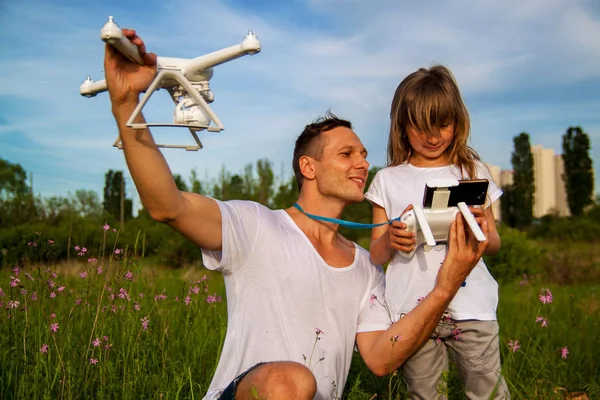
(307, 167)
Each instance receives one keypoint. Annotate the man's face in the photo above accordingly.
(343, 170)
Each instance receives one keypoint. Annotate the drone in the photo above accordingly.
(186, 80)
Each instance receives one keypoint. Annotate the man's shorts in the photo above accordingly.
(229, 392)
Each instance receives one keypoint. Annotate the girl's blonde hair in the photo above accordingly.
(426, 100)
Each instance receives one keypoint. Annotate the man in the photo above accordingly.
(300, 296)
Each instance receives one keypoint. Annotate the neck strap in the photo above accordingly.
(341, 222)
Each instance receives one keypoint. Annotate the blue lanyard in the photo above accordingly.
(348, 224)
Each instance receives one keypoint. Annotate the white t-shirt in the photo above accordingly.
(394, 188)
(280, 291)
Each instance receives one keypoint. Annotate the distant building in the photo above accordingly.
(546, 181)
(550, 195)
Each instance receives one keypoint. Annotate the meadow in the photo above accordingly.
(113, 323)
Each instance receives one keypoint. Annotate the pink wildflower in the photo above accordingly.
(195, 290)
(187, 300)
(99, 270)
(456, 333)
(34, 296)
(204, 278)
(13, 304)
(514, 345)
(136, 306)
(93, 361)
(96, 342)
(83, 274)
(50, 242)
(44, 348)
(129, 275)
(106, 227)
(52, 316)
(52, 295)
(211, 299)
(145, 322)
(92, 260)
(564, 351)
(54, 327)
(14, 281)
(61, 288)
(77, 302)
(543, 320)
(77, 248)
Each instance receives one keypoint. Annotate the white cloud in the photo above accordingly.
(352, 66)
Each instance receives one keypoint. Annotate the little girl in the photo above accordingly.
(428, 140)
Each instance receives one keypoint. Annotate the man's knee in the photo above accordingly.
(278, 380)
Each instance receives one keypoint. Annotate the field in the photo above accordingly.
(105, 325)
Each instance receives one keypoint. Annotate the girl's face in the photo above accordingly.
(430, 150)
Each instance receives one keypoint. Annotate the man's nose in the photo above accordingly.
(363, 163)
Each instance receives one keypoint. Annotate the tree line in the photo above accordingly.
(78, 218)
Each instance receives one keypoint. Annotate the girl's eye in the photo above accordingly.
(347, 154)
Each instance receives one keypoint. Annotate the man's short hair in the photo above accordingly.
(310, 142)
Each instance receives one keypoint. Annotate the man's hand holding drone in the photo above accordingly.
(126, 79)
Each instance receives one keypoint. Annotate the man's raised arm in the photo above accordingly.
(196, 217)
(385, 351)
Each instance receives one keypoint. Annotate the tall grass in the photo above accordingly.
(106, 325)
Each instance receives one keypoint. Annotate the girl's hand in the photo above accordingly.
(398, 238)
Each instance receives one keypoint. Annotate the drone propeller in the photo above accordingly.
(186, 80)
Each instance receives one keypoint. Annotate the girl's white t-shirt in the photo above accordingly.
(394, 188)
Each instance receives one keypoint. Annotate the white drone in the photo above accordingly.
(186, 80)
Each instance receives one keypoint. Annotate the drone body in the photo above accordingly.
(186, 80)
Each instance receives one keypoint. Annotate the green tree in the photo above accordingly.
(264, 188)
(180, 183)
(286, 194)
(195, 184)
(13, 179)
(115, 196)
(522, 196)
(17, 203)
(578, 176)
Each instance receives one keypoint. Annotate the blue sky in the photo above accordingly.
(529, 66)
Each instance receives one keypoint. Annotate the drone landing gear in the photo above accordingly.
(193, 126)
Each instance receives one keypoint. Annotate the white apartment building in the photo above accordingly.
(550, 195)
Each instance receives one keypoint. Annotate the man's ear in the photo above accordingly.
(307, 167)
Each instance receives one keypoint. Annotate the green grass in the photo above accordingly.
(176, 356)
